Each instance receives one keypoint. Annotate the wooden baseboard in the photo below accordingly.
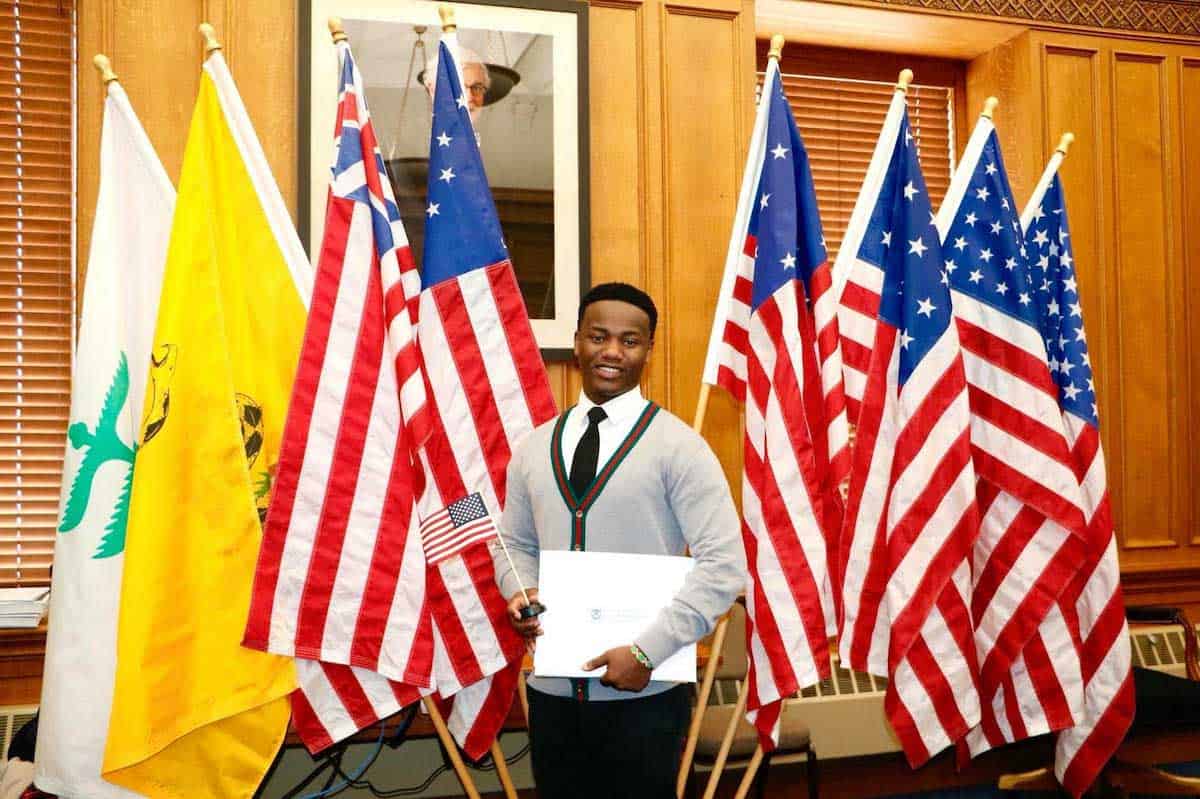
(1176, 587)
(21, 655)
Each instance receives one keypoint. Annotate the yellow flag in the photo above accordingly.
(195, 714)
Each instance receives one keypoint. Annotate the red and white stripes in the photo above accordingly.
(783, 361)
(341, 573)
(1094, 594)
(1031, 536)
(914, 484)
(785, 509)
(385, 430)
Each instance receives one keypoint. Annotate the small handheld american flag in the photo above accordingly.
(455, 527)
(460, 524)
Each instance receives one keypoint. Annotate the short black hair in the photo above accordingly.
(623, 292)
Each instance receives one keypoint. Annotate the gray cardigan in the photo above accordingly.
(668, 494)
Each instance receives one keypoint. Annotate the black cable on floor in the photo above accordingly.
(413, 790)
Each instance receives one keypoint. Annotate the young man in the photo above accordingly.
(616, 473)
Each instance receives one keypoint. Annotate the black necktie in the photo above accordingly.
(587, 453)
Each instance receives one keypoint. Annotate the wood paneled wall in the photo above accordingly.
(672, 93)
(157, 52)
(1133, 189)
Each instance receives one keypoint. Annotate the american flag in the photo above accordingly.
(911, 519)
(334, 701)
(340, 575)
(1095, 592)
(487, 389)
(340, 583)
(1032, 534)
(775, 346)
(863, 624)
(457, 526)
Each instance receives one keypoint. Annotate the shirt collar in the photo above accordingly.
(619, 409)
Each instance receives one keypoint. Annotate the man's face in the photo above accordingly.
(611, 345)
(475, 80)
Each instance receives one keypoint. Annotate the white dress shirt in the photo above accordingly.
(623, 412)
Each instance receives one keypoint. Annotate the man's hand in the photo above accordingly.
(624, 671)
(529, 628)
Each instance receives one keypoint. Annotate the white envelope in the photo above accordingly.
(598, 600)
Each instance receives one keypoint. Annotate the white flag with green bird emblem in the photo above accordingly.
(132, 225)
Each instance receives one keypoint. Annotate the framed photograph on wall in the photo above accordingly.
(524, 64)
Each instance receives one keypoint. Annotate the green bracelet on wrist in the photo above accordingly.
(640, 656)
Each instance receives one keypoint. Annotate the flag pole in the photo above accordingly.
(336, 31)
(510, 790)
(844, 263)
(104, 67)
(701, 408)
(449, 27)
(211, 44)
(447, 740)
(1039, 189)
(532, 607)
(718, 636)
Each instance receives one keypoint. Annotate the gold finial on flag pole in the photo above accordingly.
(989, 106)
(210, 39)
(906, 77)
(447, 14)
(336, 30)
(1064, 143)
(104, 67)
(776, 46)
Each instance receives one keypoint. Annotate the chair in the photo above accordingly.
(727, 740)
(1168, 708)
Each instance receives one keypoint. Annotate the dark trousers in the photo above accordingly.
(620, 749)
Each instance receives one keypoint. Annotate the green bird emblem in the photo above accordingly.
(103, 444)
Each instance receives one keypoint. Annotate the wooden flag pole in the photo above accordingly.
(706, 684)
(718, 637)
(714, 776)
(718, 641)
(439, 724)
(523, 695)
(701, 408)
(211, 44)
(510, 792)
(104, 67)
(336, 31)
(447, 740)
(751, 770)
(338, 34)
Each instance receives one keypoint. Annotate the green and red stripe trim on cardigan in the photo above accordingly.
(579, 509)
